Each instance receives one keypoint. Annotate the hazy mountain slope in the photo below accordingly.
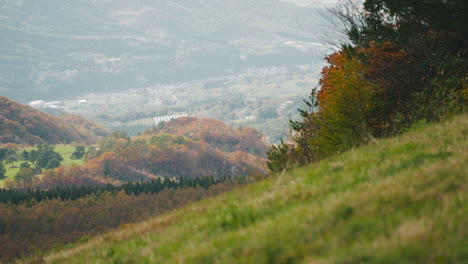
(399, 200)
(90, 130)
(57, 49)
(23, 124)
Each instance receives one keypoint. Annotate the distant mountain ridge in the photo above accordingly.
(65, 48)
(22, 124)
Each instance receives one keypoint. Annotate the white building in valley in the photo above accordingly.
(167, 118)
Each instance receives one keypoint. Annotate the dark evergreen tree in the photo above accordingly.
(25, 165)
(25, 155)
(47, 157)
(78, 153)
(33, 155)
(3, 153)
(107, 169)
(2, 171)
(11, 160)
(52, 164)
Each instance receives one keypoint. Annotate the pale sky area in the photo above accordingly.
(311, 2)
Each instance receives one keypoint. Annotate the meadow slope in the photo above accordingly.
(399, 200)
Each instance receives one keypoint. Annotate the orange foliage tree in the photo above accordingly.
(345, 104)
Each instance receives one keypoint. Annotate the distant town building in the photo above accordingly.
(246, 113)
(54, 105)
(283, 107)
(37, 104)
(167, 118)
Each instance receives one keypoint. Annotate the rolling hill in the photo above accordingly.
(88, 129)
(187, 148)
(22, 124)
(216, 133)
(398, 200)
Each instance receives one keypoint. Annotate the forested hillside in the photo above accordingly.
(198, 150)
(22, 124)
(216, 134)
(90, 130)
(36, 221)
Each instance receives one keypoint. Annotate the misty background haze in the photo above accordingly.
(123, 62)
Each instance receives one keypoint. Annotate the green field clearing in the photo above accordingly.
(64, 150)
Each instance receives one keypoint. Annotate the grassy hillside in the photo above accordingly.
(400, 200)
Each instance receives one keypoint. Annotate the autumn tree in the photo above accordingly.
(11, 146)
(24, 177)
(345, 103)
(405, 61)
(433, 37)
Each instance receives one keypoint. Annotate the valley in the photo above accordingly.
(273, 97)
(143, 59)
(247, 131)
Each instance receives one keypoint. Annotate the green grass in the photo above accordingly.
(399, 200)
(64, 150)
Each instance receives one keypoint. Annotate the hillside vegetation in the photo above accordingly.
(65, 152)
(22, 124)
(90, 130)
(36, 221)
(184, 148)
(398, 200)
(404, 63)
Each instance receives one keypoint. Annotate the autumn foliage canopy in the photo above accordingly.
(406, 63)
